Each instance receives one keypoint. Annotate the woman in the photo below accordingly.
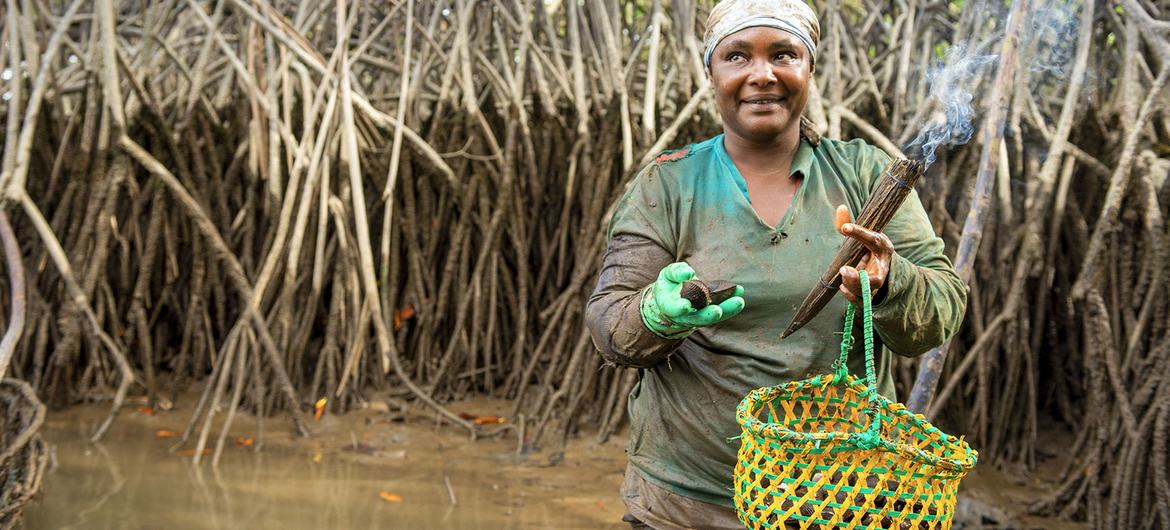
(755, 205)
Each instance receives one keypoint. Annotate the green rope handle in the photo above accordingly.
(841, 366)
(871, 437)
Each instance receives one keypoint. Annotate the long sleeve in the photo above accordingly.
(613, 315)
(640, 234)
(925, 299)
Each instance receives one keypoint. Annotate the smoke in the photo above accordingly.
(951, 83)
(1046, 50)
(1051, 39)
(1049, 48)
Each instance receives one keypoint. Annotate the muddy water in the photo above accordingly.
(366, 469)
(361, 470)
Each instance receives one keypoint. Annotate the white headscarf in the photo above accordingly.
(730, 16)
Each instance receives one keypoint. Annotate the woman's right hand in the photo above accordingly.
(670, 316)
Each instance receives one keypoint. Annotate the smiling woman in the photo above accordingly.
(765, 204)
(761, 76)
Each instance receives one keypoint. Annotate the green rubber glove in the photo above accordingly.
(670, 316)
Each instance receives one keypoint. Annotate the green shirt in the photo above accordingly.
(692, 205)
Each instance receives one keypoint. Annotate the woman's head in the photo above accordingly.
(760, 56)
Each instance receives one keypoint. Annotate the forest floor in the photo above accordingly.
(371, 468)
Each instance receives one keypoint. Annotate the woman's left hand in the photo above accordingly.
(876, 263)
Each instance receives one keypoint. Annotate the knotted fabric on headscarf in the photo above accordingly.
(730, 16)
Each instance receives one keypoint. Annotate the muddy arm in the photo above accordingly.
(925, 300)
(631, 263)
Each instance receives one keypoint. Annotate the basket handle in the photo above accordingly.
(871, 437)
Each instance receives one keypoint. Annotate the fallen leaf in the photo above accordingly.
(188, 453)
(146, 411)
(483, 419)
(402, 315)
(389, 497)
(163, 433)
(319, 409)
(244, 442)
(316, 458)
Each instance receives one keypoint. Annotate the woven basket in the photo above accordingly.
(829, 452)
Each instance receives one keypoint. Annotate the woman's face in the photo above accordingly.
(760, 76)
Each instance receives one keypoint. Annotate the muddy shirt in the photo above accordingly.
(692, 205)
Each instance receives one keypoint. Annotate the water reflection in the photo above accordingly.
(132, 481)
(116, 481)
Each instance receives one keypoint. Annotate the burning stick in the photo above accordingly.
(895, 184)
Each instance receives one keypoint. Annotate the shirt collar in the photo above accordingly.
(802, 161)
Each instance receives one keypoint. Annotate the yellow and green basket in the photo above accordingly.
(830, 452)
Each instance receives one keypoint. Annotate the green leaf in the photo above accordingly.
(940, 50)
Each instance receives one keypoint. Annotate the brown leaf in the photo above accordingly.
(485, 420)
(389, 497)
(482, 420)
(402, 315)
(163, 433)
